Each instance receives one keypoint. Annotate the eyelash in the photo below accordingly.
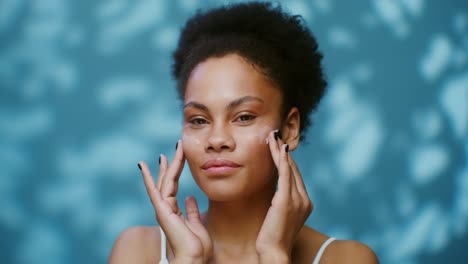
(195, 121)
(198, 121)
(250, 118)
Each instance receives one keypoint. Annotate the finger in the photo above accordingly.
(149, 182)
(171, 200)
(169, 185)
(294, 189)
(298, 177)
(306, 203)
(293, 180)
(195, 224)
(162, 169)
(274, 147)
(170, 220)
(172, 223)
(191, 210)
(284, 172)
(152, 189)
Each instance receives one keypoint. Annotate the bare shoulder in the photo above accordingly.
(310, 241)
(349, 251)
(139, 244)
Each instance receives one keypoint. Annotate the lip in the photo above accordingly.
(219, 166)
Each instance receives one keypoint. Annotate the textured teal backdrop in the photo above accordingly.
(86, 92)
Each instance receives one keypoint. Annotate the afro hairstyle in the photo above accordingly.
(278, 44)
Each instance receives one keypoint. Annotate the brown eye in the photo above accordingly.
(198, 121)
(246, 118)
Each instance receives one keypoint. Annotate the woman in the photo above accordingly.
(249, 75)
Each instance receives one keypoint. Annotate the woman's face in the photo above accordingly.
(229, 109)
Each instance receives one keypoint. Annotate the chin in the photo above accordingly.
(222, 191)
(234, 187)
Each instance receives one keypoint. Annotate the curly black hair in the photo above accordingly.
(279, 44)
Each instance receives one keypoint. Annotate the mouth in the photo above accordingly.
(219, 166)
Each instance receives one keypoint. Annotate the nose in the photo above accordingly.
(220, 139)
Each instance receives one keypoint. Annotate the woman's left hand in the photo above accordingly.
(289, 208)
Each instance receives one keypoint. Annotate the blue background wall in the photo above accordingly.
(86, 92)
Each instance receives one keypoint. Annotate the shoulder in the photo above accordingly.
(139, 244)
(339, 251)
(349, 251)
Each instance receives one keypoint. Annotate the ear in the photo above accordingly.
(291, 128)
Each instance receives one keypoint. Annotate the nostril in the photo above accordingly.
(218, 148)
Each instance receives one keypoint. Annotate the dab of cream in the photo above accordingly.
(189, 138)
(262, 135)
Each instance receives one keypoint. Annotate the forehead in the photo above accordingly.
(227, 78)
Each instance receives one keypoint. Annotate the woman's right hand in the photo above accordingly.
(188, 237)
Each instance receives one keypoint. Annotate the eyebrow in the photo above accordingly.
(230, 106)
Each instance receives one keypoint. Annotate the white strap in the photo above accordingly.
(163, 248)
(322, 249)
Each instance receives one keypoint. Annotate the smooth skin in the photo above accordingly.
(257, 212)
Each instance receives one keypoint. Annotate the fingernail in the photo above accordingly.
(276, 135)
(139, 166)
(177, 144)
(159, 159)
(287, 148)
(279, 134)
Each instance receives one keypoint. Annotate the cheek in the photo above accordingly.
(258, 136)
(253, 144)
(190, 139)
(191, 143)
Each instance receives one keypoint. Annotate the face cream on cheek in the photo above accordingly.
(261, 136)
(191, 146)
(189, 139)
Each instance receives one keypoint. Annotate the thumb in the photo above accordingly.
(196, 226)
(192, 211)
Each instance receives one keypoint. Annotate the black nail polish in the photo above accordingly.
(159, 159)
(139, 166)
(279, 134)
(287, 148)
(276, 135)
(177, 144)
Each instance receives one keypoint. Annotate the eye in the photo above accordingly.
(198, 121)
(246, 117)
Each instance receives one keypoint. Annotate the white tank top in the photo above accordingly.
(165, 261)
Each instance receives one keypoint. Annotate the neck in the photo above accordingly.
(234, 225)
